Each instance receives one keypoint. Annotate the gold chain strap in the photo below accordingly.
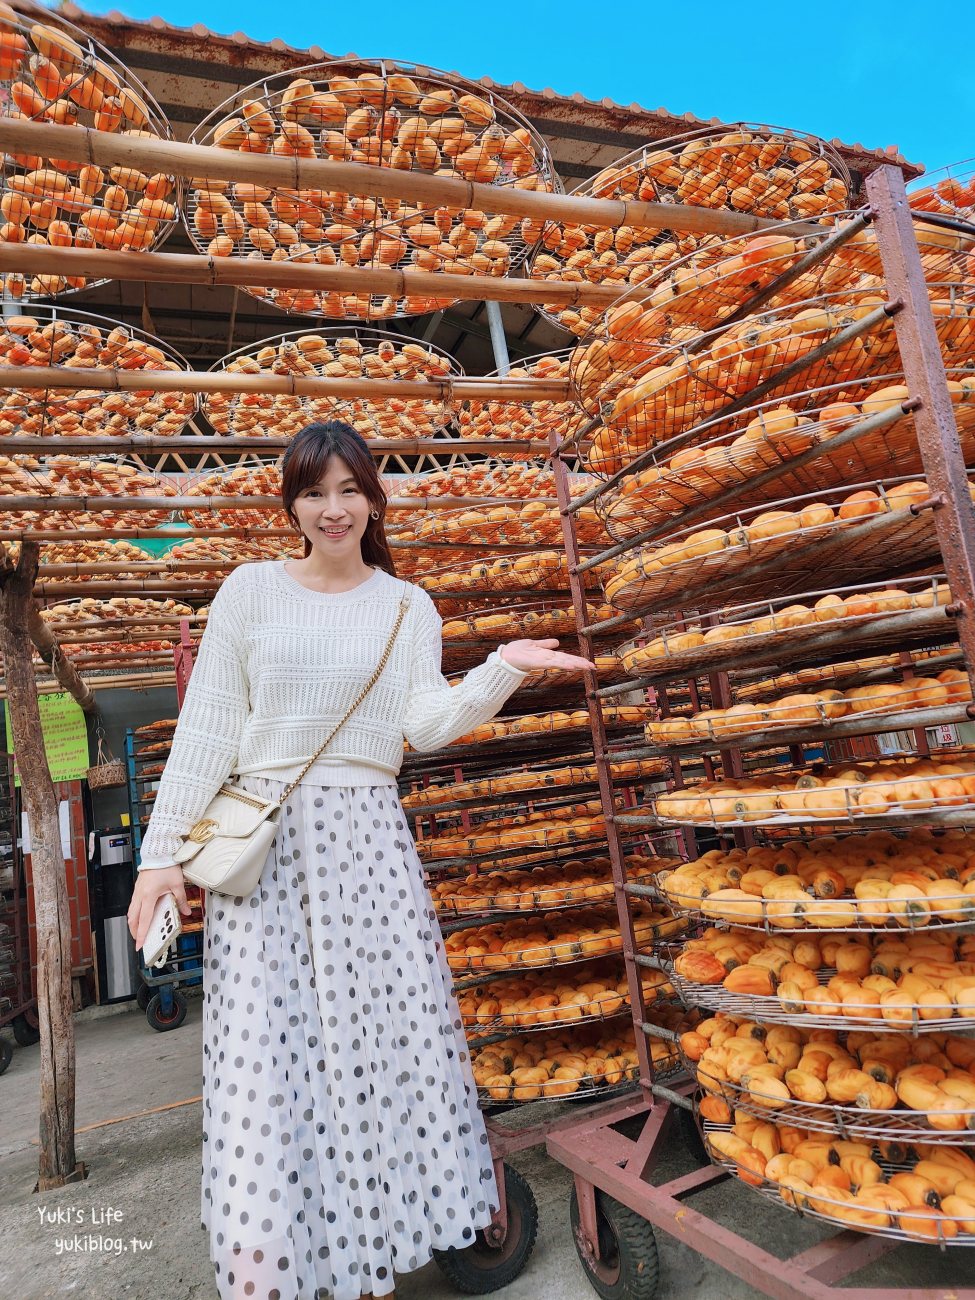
(251, 800)
(403, 606)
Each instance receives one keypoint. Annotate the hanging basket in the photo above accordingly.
(106, 770)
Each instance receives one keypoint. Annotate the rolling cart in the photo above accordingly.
(159, 994)
(616, 1207)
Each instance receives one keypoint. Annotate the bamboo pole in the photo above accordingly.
(156, 587)
(231, 445)
(138, 681)
(74, 639)
(171, 585)
(106, 149)
(70, 504)
(66, 535)
(242, 272)
(450, 388)
(57, 1164)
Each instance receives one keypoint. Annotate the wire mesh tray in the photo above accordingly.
(57, 336)
(520, 421)
(387, 114)
(842, 675)
(808, 442)
(754, 726)
(562, 952)
(717, 288)
(61, 484)
(551, 895)
(519, 857)
(573, 721)
(838, 1016)
(656, 997)
(847, 536)
(539, 782)
(941, 799)
(948, 191)
(481, 1032)
(847, 915)
(664, 389)
(905, 1225)
(595, 1092)
(545, 836)
(538, 618)
(767, 170)
(507, 574)
(89, 614)
(54, 72)
(811, 626)
(339, 353)
(848, 1122)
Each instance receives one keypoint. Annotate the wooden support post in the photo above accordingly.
(57, 1163)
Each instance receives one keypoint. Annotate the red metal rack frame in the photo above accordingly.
(598, 1155)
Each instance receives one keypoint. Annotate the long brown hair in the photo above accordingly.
(305, 463)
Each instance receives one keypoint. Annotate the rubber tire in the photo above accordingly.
(143, 994)
(26, 1034)
(6, 1053)
(479, 1269)
(629, 1267)
(155, 1017)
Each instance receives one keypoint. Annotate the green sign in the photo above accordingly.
(65, 737)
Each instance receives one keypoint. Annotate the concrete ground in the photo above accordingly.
(143, 1190)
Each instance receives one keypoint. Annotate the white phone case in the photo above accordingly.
(164, 929)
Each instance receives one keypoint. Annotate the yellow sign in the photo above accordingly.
(65, 737)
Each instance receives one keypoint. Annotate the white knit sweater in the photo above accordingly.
(278, 666)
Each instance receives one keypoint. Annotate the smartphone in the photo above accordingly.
(164, 929)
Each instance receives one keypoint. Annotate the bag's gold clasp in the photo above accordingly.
(203, 831)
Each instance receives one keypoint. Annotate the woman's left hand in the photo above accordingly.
(534, 656)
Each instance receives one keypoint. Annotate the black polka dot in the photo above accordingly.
(335, 1191)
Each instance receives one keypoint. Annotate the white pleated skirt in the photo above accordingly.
(342, 1140)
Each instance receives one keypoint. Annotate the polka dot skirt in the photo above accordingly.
(342, 1139)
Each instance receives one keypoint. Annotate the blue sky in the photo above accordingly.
(875, 73)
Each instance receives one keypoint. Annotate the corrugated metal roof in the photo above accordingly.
(634, 122)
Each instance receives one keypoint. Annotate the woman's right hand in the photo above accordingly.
(150, 885)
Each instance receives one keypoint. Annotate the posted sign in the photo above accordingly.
(65, 737)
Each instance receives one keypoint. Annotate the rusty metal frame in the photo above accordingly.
(934, 421)
(621, 1168)
(596, 1153)
(600, 749)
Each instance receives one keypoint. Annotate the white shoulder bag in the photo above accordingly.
(226, 849)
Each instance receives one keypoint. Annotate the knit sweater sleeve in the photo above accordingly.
(208, 731)
(437, 713)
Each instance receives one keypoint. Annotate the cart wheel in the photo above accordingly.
(158, 1020)
(26, 1031)
(143, 996)
(6, 1054)
(628, 1266)
(480, 1268)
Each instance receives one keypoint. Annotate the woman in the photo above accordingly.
(342, 1140)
